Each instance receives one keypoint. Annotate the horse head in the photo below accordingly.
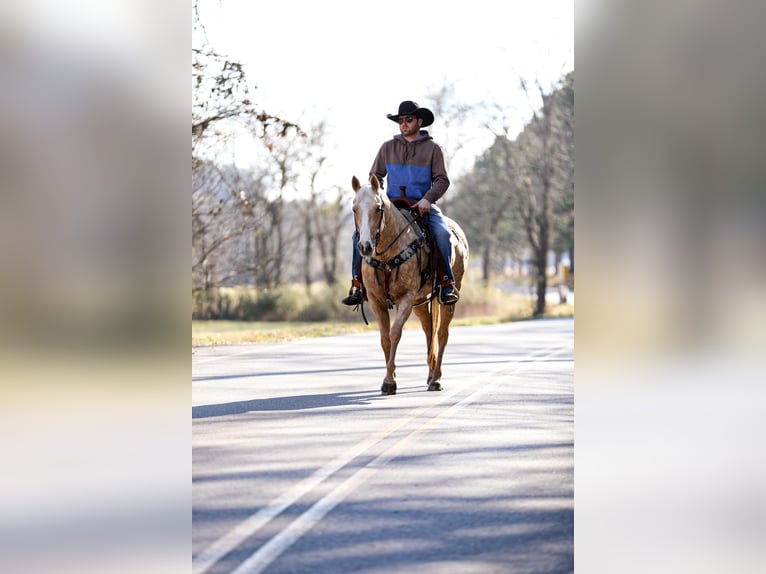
(369, 211)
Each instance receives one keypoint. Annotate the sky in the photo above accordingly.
(352, 63)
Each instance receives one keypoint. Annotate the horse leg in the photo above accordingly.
(442, 336)
(385, 337)
(380, 310)
(395, 335)
(425, 322)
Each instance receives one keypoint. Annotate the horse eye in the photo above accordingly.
(380, 208)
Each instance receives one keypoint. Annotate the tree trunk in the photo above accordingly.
(485, 264)
(331, 262)
(280, 253)
(544, 236)
(307, 261)
(542, 283)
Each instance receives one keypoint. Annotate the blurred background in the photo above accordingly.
(93, 256)
(670, 233)
(668, 193)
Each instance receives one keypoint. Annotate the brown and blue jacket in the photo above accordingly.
(414, 169)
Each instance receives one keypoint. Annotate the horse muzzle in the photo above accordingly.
(365, 248)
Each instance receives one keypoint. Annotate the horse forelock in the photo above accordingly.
(367, 199)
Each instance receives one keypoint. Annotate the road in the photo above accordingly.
(300, 465)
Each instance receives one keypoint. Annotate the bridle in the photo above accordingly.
(381, 209)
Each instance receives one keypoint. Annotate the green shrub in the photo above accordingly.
(260, 306)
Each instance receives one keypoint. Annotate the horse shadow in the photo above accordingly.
(289, 403)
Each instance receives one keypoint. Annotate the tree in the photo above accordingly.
(225, 215)
(453, 116)
(221, 94)
(326, 210)
(521, 190)
(229, 208)
(547, 148)
(331, 217)
(563, 207)
(484, 205)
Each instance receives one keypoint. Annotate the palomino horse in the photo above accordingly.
(395, 263)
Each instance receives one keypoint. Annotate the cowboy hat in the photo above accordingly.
(410, 108)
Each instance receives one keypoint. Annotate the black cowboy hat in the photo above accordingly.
(410, 108)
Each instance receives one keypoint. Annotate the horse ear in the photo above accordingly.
(374, 183)
(355, 184)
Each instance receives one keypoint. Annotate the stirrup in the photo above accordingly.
(354, 296)
(448, 295)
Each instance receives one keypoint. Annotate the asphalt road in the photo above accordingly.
(300, 465)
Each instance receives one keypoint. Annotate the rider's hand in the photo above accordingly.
(424, 206)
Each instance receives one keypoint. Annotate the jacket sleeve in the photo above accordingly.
(379, 165)
(439, 178)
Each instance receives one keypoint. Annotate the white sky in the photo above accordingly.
(353, 62)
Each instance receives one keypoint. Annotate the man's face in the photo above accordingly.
(409, 125)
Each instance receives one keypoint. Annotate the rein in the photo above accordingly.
(398, 235)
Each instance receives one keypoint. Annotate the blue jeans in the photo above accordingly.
(356, 258)
(439, 230)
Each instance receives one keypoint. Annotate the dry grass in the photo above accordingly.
(478, 306)
(233, 332)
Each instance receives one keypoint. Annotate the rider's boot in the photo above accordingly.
(448, 293)
(354, 296)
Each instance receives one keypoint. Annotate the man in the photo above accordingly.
(416, 169)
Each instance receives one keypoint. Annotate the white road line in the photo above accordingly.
(229, 541)
(270, 551)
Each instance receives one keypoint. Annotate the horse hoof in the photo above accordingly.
(388, 388)
(434, 386)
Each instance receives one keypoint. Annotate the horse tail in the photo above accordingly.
(436, 315)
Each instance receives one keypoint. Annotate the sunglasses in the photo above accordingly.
(408, 119)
